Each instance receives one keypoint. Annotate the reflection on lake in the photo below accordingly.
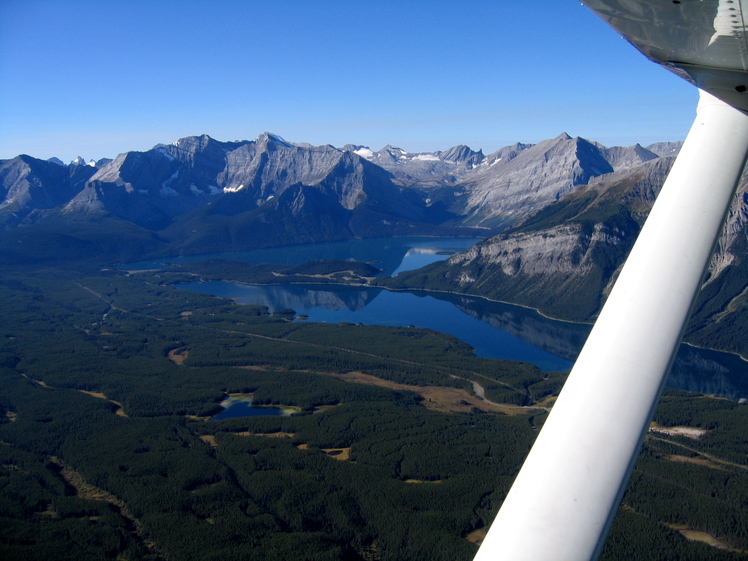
(373, 306)
(493, 329)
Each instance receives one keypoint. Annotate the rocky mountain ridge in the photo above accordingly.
(458, 187)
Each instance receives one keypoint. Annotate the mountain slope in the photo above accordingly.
(508, 186)
(562, 259)
(29, 187)
(720, 316)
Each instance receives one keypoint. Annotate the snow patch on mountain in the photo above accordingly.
(426, 158)
(161, 149)
(364, 153)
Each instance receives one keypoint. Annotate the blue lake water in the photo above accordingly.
(391, 255)
(382, 307)
(246, 409)
(494, 330)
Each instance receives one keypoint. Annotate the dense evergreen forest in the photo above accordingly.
(108, 380)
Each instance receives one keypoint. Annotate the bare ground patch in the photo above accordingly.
(94, 394)
(178, 356)
(547, 402)
(689, 432)
(325, 407)
(37, 382)
(697, 457)
(696, 461)
(694, 536)
(118, 406)
(477, 536)
(118, 410)
(703, 537)
(438, 398)
(209, 439)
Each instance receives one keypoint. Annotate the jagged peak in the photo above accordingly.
(461, 153)
(268, 137)
(390, 148)
(201, 140)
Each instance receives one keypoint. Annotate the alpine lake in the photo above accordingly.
(493, 329)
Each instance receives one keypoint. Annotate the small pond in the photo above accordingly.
(242, 407)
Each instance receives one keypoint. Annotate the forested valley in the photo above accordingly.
(108, 381)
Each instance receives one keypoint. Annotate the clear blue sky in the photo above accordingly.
(93, 78)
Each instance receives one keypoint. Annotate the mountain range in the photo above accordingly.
(198, 194)
(559, 216)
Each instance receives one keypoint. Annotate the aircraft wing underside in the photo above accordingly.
(703, 41)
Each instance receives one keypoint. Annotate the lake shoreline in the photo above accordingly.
(477, 296)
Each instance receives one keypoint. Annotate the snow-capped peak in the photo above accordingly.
(364, 152)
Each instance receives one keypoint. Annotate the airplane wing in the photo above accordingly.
(703, 41)
(563, 500)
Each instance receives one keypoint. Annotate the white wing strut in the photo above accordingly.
(565, 497)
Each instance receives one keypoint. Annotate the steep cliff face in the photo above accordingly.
(507, 187)
(151, 188)
(563, 271)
